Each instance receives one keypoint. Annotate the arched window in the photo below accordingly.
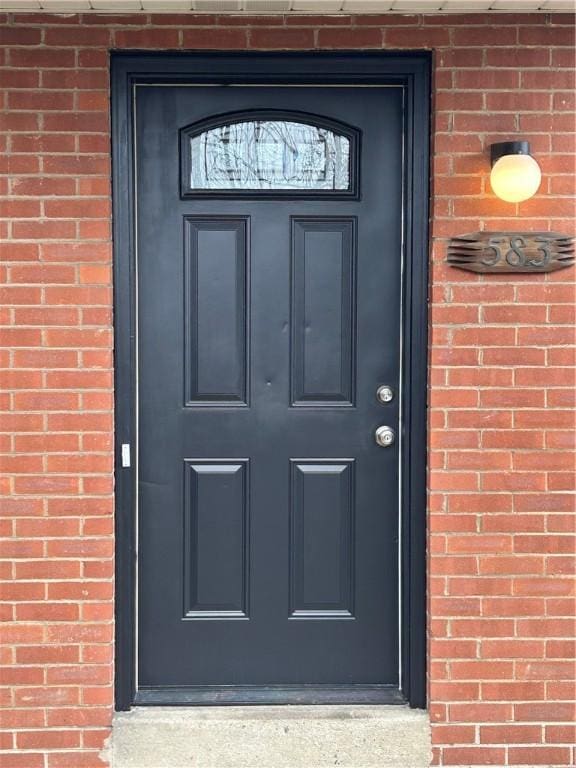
(258, 153)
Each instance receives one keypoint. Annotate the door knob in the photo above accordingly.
(384, 436)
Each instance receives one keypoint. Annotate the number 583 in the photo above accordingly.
(514, 252)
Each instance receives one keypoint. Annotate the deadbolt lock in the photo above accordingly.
(384, 436)
(384, 393)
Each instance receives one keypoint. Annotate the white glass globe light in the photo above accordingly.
(515, 178)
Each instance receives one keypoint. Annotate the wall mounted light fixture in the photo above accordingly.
(515, 175)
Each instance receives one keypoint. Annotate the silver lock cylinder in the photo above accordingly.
(384, 436)
(384, 393)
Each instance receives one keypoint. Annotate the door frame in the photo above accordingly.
(412, 72)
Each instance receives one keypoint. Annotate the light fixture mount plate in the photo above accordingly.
(503, 148)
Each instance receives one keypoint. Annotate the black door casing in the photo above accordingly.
(268, 522)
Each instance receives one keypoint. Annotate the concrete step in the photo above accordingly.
(270, 737)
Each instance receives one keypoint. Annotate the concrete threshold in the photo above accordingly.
(270, 737)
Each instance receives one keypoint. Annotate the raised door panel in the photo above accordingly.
(322, 539)
(216, 336)
(323, 312)
(216, 557)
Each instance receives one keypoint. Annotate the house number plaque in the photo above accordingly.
(511, 251)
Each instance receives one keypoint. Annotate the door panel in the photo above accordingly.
(322, 539)
(216, 296)
(268, 516)
(216, 526)
(323, 311)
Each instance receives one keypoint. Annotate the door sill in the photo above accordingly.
(222, 695)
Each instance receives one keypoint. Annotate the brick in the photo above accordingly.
(512, 439)
(545, 670)
(77, 166)
(480, 712)
(47, 612)
(519, 58)
(75, 122)
(453, 565)
(561, 690)
(80, 717)
(40, 230)
(17, 718)
(453, 734)
(480, 377)
(535, 627)
(481, 670)
(77, 37)
(518, 102)
(47, 484)
(48, 740)
(20, 209)
(45, 358)
(230, 39)
(512, 691)
(77, 338)
(21, 379)
(513, 524)
(542, 419)
(81, 674)
(473, 756)
(79, 295)
(19, 37)
(18, 548)
(146, 38)
(282, 38)
(46, 696)
(44, 273)
(480, 419)
(553, 544)
(40, 101)
(76, 252)
(79, 379)
(244, 20)
(76, 209)
(482, 627)
(480, 543)
(75, 78)
(42, 401)
(15, 675)
(359, 37)
(510, 734)
(28, 760)
(561, 734)
(479, 460)
(20, 337)
(47, 654)
(42, 57)
(44, 185)
(43, 316)
(561, 523)
(416, 38)
(454, 691)
(560, 566)
(75, 760)
(546, 36)
(512, 649)
(13, 591)
(539, 755)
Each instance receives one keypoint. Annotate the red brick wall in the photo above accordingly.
(500, 463)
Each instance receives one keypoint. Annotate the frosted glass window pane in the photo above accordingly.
(270, 154)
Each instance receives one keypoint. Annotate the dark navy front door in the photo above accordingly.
(269, 253)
